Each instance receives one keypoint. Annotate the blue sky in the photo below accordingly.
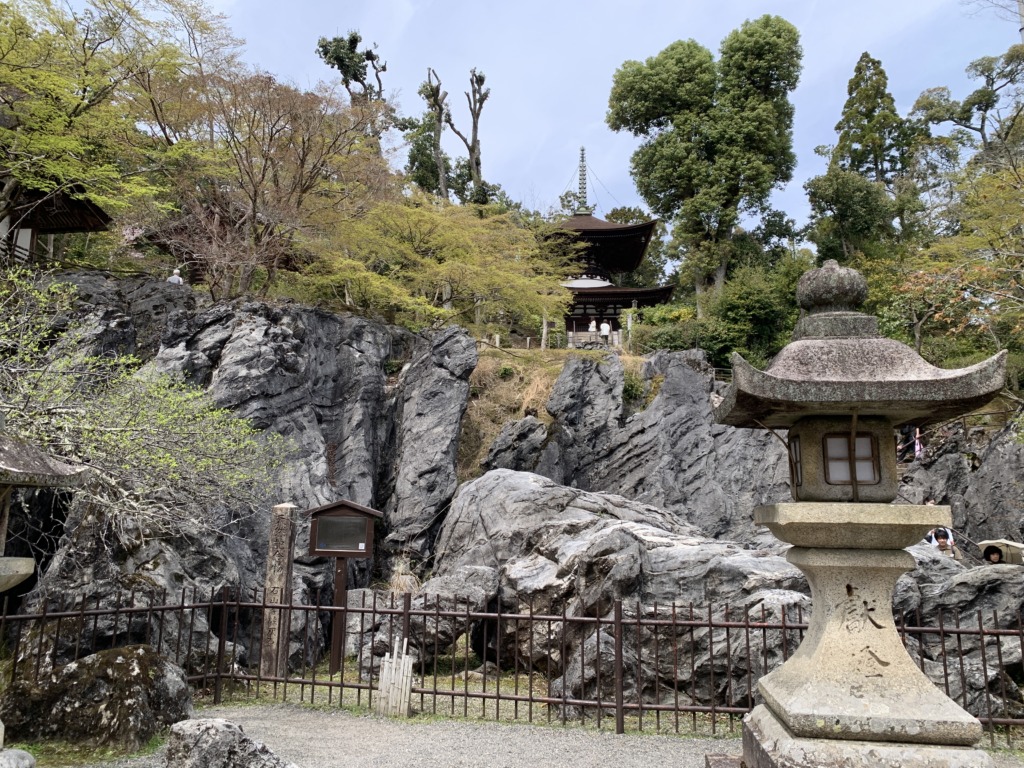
(550, 65)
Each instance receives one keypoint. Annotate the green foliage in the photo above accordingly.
(868, 203)
(633, 386)
(161, 456)
(343, 54)
(62, 128)
(422, 262)
(850, 215)
(421, 166)
(987, 118)
(753, 314)
(717, 135)
(668, 314)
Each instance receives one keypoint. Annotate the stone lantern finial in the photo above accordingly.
(831, 288)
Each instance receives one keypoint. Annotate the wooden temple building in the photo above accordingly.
(28, 232)
(609, 249)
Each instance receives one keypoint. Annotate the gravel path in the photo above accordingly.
(318, 739)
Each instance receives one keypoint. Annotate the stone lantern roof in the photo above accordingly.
(26, 466)
(837, 364)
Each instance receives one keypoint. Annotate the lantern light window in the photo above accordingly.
(838, 464)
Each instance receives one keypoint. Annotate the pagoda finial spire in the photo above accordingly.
(581, 203)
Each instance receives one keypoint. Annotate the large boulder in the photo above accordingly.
(561, 551)
(120, 697)
(553, 543)
(217, 743)
(427, 417)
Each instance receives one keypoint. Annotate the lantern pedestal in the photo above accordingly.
(14, 570)
(768, 744)
(851, 695)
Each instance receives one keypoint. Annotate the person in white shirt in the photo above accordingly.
(606, 332)
(176, 278)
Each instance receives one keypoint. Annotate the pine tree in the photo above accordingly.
(874, 141)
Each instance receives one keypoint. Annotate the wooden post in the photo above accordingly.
(6, 492)
(544, 330)
(277, 587)
(338, 618)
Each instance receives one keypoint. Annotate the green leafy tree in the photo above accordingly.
(869, 209)
(718, 135)
(988, 119)
(284, 163)
(433, 125)
(423, 167)
(63, 127)
(753, 314)
(851, 215)
(422, 261)
(354, 65)
(162, 459)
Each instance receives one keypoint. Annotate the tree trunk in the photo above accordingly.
(699, 289)
(435, 98)
(475, 97)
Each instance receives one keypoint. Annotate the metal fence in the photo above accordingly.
(628, 667)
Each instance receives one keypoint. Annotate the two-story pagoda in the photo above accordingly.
(609, 249)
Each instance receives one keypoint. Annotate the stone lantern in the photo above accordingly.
(24, 466)
(851, 695)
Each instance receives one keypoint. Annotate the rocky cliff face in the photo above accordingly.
(669, 454)
(648, 501)
(372, 414)
(981, 478)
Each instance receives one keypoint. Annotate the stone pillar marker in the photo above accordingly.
(851, 696)
(277, 588)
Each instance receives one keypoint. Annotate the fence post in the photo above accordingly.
(620, 715)
(221, 646)
(406, 610)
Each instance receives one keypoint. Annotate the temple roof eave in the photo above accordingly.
(760, 399)
(586, 224)
(612, 294)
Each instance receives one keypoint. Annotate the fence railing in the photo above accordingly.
(662, 668)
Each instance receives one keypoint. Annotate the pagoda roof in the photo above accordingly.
(23, 465)
(613, 295)
(615, 247)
